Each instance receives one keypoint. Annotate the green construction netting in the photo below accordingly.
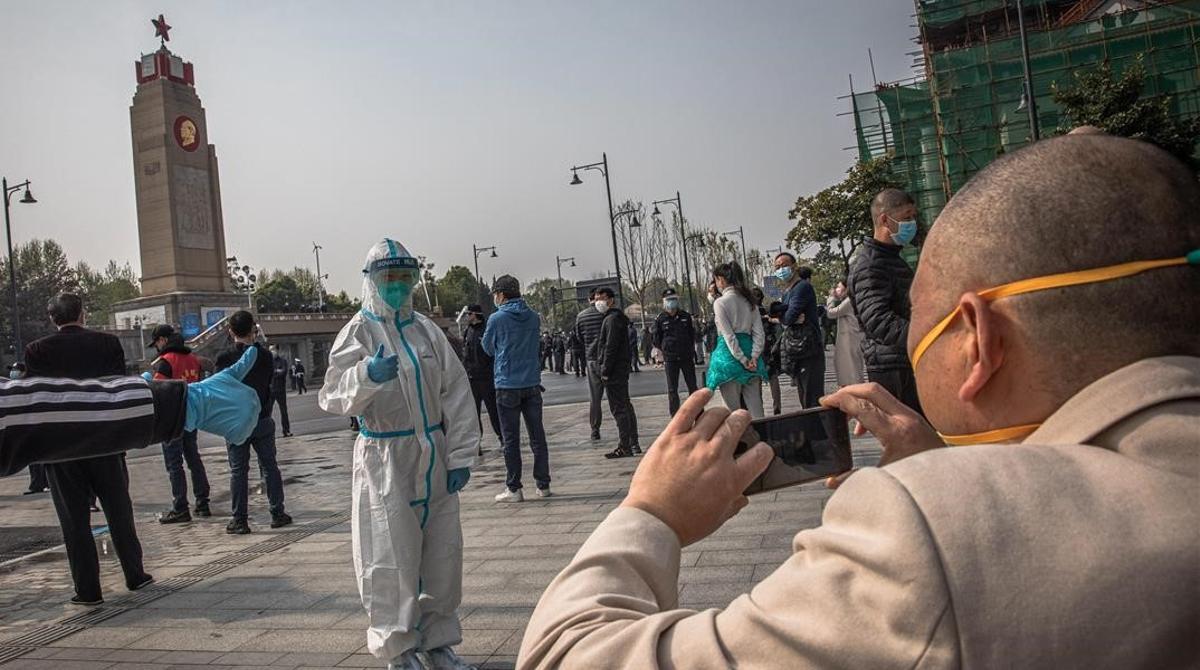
(977, 91)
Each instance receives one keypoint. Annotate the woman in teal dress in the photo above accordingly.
(737, 368)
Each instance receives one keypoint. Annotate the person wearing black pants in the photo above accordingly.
(614, 364)
(279, 376)
(79, 353)
(480, 368)
(675, 337)
(587, 330)
(800, 312)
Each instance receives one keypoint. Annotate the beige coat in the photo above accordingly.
(1078, 549)
(847, 350)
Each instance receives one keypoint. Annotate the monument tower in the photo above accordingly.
(180, 230)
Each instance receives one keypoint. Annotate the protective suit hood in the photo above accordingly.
(385, 252)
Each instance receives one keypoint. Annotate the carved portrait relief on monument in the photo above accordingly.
(193, 208)
(186, 134)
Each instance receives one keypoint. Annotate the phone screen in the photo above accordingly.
(810, 444)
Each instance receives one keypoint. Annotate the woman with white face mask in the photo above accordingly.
(737, 368)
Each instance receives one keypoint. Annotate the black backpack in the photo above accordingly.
(798, 343)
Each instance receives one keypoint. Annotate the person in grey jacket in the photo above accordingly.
(847, 351)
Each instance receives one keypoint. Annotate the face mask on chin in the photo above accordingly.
(1061, 280)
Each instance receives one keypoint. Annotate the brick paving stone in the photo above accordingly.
(298, 605)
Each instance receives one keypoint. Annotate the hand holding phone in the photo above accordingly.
(808, 445)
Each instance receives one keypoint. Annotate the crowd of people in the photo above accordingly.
(1065, 536)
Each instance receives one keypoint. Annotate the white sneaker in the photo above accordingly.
(544, 493)
(409, 660)
(510, 496)
(444, 658)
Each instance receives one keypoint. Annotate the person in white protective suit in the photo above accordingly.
(395, 371)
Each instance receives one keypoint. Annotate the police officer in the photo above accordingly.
(674, 335)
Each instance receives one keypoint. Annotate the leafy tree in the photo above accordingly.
(100, 290)
(838, 218)
(281, 294)
(553, 301)
(1117, 106)
(459, 288)
(341, 303)
(42, 273)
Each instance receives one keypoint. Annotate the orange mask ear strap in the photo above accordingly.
(1054, 281)
(1010, 434)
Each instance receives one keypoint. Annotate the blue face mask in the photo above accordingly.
(395, 294)
(671, 304)
(907, 232)
(784, 273)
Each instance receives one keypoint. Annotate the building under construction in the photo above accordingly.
(967, 106)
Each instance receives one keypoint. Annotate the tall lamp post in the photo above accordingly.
(687, 273)
(742, 235)
(12, 263)
(320, 278)
(244, 279)
(699, 237)
(559, 263)
(602, 167)
(1028, 101)
(476, 251)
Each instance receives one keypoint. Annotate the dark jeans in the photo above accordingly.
(175, 453)
(484, 391)
(560, 359)
(810, 381)
(514, 404)
(596, 387)
(262, 440)
(578, 363)
(673, 369)
(37, 477)
(633, 359)
(622, 411)
(900, 383)
(71, 487)
(279, 396)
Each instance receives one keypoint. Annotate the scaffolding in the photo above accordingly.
(966, 106)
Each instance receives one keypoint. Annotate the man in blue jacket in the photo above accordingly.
(513, 339)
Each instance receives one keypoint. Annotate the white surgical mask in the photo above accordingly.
(601, 305)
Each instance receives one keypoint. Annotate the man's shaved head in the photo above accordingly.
(889, 200)
(1064, 204)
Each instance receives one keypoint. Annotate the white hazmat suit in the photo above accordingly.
(414, 429)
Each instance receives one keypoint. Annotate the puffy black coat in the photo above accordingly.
(878, 284)
(614, 352)
(479, 365)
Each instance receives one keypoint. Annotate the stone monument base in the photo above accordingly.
(189, 311)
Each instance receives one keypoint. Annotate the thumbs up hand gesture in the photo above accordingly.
(382, 368)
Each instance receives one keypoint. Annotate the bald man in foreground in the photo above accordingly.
(1063, 532)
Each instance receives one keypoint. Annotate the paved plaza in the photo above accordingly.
(287, 598)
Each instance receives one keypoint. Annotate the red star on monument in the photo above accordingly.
(161, 28)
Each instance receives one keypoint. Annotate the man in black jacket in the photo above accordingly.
(262, 440)
(77, 353)
(279, 377)
(587, 329)
(802, 313)
(675, 337)
(614, 362)
(560, 353)
(878, 285)
(480, 368)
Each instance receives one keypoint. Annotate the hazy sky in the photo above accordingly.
(444, 123)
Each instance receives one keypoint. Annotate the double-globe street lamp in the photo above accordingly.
(12, 263)
(687, 272)
(602, 168)
(476, 250)
(741, 233)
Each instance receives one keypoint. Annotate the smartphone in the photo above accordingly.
(810, 444)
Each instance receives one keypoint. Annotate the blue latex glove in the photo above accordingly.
(456, 479)
(222, 404)
(147, 376)
(382, 368)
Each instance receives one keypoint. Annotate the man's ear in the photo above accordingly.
(984, 346)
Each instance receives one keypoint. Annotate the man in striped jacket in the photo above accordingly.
(587, 329)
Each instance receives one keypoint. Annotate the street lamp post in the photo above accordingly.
(742, 235)
(683, 238)
(320, 278)
(12, 263)
(243, 279)
(602, 166)
(1030, 101)
(699, 237)
(476, 251)
(559, 263)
